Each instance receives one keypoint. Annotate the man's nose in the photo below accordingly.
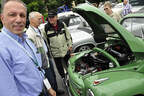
(18, 18)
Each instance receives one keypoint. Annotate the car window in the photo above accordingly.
(130, 21)
(136, 2)
(72, 20)
(75, 21)
(135, 25)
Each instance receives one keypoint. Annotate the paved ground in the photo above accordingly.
(60, 82)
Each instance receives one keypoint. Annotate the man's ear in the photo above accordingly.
(1, 17)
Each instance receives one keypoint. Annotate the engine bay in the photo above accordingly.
(97, 61)
(92, 62)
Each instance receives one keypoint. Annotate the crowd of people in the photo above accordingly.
(28, 58)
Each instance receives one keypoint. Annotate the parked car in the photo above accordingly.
(134, 23)
(82, 35)
(117, 69)
(73, 20)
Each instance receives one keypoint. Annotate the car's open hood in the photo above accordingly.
(93, 15)
(118, 83)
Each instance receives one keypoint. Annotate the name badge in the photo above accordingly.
(46, 83)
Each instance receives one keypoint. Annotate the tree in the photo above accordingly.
(35, 5)
(54, 4)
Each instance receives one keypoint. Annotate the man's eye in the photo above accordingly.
(12, 15)
(22, 15)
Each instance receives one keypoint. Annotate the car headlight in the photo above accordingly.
(89, 93)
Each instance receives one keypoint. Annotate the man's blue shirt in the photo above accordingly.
(19, 75)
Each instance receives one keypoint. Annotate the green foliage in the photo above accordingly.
(0, 6)
(35, 5)
(0, 25)
(43, 5)
(79, 1)
(52, 4)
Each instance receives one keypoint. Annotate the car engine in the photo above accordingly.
(121, 53)
(96, 61)
(92, 62)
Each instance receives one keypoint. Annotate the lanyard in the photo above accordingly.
(35, 61)
(35, 30)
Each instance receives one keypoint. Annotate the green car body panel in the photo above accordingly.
(120, 77)
(120, 83)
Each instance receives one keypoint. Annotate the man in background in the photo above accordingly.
(108, 11)
(127, 8)
(59, 40)
(36, 36)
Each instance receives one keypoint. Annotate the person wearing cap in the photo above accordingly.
(59, 40)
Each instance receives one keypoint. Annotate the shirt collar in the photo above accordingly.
(35, 29)
(14, 36)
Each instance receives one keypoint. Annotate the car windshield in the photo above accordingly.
(75, 20)
(136, 2)
(135, 25)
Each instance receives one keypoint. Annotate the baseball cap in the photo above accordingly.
(52, 13)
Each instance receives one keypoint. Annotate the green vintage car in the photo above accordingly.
(115, 67)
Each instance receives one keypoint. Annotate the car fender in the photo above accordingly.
(118, 83)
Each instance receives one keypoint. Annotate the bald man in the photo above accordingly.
(19, 61)
(34, 34)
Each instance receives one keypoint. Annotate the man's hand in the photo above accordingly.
(70, 48)
(51, 92)
(72, 54)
